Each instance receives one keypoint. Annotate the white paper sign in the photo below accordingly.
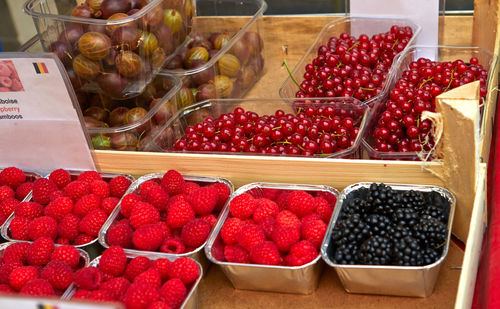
(39, 126)
(21, 302)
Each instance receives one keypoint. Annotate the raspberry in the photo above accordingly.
(59, 208)
(172, 181)
(143, 213)
(158, 305)
(230, 230)
(211, 219)
(146, 187)
(329, 197)
(23, 190)
(67, 254)
(29, 210)
(173, 292)
(118, 186)
(323, 209)
(148, 237)
(268, 226)
(250, 235)
(42, 226)
(301, 253)
(173, 245)
(59, 274)
(128, 202)
(265, 209)
(16, 252)
(6, 269)
(223, 194)
(86, 204)
(116, 286)
(37, 287)
(120, 235)
(89, 176)
(164, 228)
(62, 241)
(203, 200)
(151, 277)
(100, 295)
(22, 275)
(236, 254)
(77, 189)
(265, 253)
(162, 265)
(175, 199)
(136, 266)
(40, 251)
(56, 194)
(81, 294)
(69, 227)
(6, 192)
(140, 295)
(82, 239)
(310, 217)
(285, 236)
(185, 269)
(19, 228)
(100, 188)
(12, 177)
(3, 218)
(287, 218)
(189, 187)
(314, 231)
(157, 197)
(6, 289)
(282, 199)
(113, 261)
(242, 206)
(108, 204)
(8, 206)
(195, 232)
(271, 194)
(92, 222)
(179, 214)
(42, 188)
(88, 278)
(300, 203)
(60, 177)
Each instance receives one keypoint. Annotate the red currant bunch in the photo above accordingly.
(353, 67)
(312, 130)
(399, 127)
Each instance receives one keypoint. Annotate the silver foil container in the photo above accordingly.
(91, 247)
(284, 279)
(115, 216)
(191, 301)
(416, 281)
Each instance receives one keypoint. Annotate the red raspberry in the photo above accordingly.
(29, 210)
(148, 237)
(265, 253)
(172, 181)
(151, 277)
(113, 261)
(314, 231)
(8, 206)
(100, 188)
(250, 235)
(60, 177)
(143, 213)
(188, 187)
(146, 187)
(88, 278)
(89, 176)
(6, 289)
(282, 200)
(323, 209)
(328, 196)
(42, 226)
(301, 253)
(19, 228)
(12, 177)
(62, 241)
(211, 219)
(287, 218)
(265, 209)
(136, 266)
(242, 206)
(203, 200)
(116, 286)
(16, 252)
(81, 294)
(56, 194)
(23, 190)
(230, 230)
(173, 292)
(224, 192)
(108, 204)
(59, 208)
(140, 295)
(236, 254)
(300, 203)
(3, 218)
(120, 235)
(271, 194)
(162, 265)
(6, 192)
(157, 197)
(179, 214)
(77, 189)
(67, 254)
(100, 295)
(22, 275)
(128, 202)
(164, 228)
(185, 269)
(69, 227)
(173, 245)
(310, 217)
(6, 269)
(37, 287)
(40, 251)
(86, 204)
(93, 221)
(195, 232)
(118, 186)
(59, 274)
(268, 226)
(82, 239)
(42, 188)
(159, 305)
(175, 199)
(284, 237)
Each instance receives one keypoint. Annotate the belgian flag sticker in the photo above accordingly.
(40, 68)
(47, 306)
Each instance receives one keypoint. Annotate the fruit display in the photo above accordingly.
(40, 268)
(113, 47)
(15, 186)
(137, 281)
(67, 207)
(167, 213)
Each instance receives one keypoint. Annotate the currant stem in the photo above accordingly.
(291, 76)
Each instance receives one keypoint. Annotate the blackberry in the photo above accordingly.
(431, 232)
(346, 254)
(436, 212)
(431, 255)
(413, 199)
(407, 252)
(376, 250)
(399, 231)
(350, 229)
(379, 225)
(382, 199)
(405, 216)
(354, 206)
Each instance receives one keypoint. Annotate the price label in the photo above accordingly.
(20, 302)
